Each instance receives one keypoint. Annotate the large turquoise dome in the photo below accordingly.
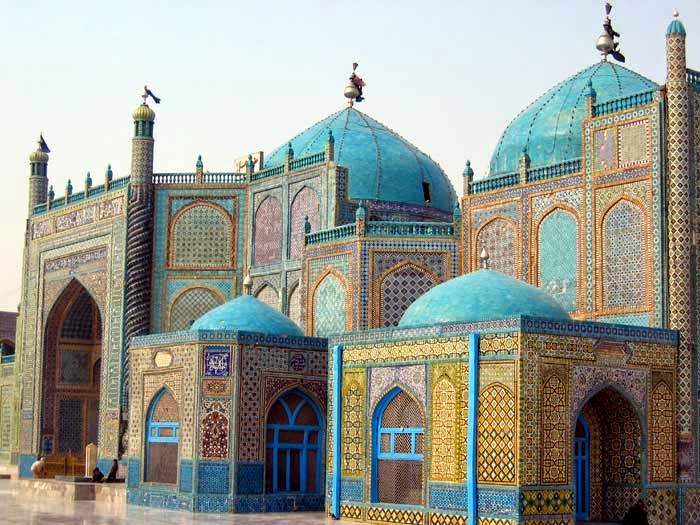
(484, 295)
(383, 165)
(549, 129)
(248, 314)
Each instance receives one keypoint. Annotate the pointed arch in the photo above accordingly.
(398, 435)
(294, 444)
(268, 294)
(267, 234)
(202, 235)
(499, 236)
(558, 259)
(624, 271)
(398, 287)
(70, 393)
(294, 303)
(329, 304)
(190, 304)
(305, 203)
(162, 438)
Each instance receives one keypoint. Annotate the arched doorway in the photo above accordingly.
(71, 373)
(398, 427)
(162, 439)
(607, 457)
(294, 437)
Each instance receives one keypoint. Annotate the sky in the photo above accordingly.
(237, 77)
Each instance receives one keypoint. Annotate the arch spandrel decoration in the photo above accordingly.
(191, 304)
(499, 238)
(267, 237)
(329, 305)
(558, 256)
(399, 287)
(624, 272)
(268, 295)
(202, 237)
(305, 204)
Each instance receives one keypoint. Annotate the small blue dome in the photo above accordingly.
(549, 129)
(246, 313)
(484, 295)
(383, 165)
(676, 27)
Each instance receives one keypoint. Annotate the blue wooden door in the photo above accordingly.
(582, 471)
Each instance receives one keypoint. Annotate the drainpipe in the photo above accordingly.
(472, 427)
(337, 390)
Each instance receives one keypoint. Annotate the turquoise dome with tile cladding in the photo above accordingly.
(484, 295)
(549, 129)
(248, 314)
(383, 165)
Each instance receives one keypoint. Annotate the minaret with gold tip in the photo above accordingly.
(679, 224)
(38, 179)
(139, 232)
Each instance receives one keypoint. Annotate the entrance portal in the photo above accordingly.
(607, 457)
(71, 375)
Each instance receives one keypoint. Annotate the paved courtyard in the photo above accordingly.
(17, 509)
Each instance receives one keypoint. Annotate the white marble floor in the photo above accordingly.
(14, 508)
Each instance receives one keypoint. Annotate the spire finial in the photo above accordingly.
(353, 91)
(484, 257)
(676, 14)
(606, 41)
(247, 284)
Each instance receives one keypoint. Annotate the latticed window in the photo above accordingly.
(202, 237)
(162, 438)
(190, 306)
(399, 429)
(267, 244)
(293, 443)
(305, 204)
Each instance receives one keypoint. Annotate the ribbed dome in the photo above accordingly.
(484, 295)
(144, 112)
(676, 27)
(549, 129)
(248, 314)
(383, 165)
(38, 156)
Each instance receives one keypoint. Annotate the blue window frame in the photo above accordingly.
(398, 429)
(294, 440)
(582, 471)
(162, 439)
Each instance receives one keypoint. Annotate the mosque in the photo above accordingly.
(330, 327)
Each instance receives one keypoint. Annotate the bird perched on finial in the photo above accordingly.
(606, 42)
(148, 93)
(357, 82)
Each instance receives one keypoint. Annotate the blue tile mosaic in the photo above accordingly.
(133, 472)
(213, 478)
(250, 504)
(249, 478)
(160, 499)
(496, 502)
(185, 475)
(351, 490)
(25, 465)
(448, 496)
(213, 504)
(217, 361)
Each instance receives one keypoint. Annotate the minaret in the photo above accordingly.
(139, 242)
(679, 232)
(38, 180)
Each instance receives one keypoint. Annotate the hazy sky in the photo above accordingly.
(236, 77)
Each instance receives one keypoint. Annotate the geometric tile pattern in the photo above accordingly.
(410, 378)
(496, 430)
(294, 305)
(268, 295)
(268, 232)
(214, 436)
(79, 320)
(447, 496)
(399, 289)
(202, 237)
(661, 435)
(191, 305)
(249, 478)
(604, 149)
(496, 502)
(533, 502)
(329, 307)
(555, 422)
(558, 257)
(447, 519)
(633, 143)
(498, 238)
(353, 424)
(443, 460)
(380, 515)
(305, 204)
(662, 504)
(213, 478)
(217, 361)
(624, 275)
